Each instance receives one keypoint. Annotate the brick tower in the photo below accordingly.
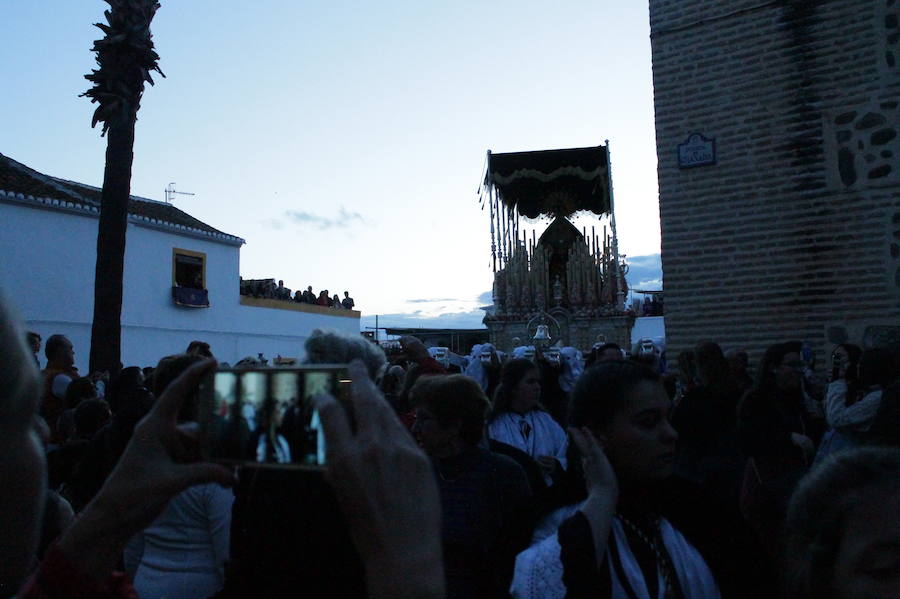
(779, 170)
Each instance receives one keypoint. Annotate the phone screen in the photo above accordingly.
(266, 415)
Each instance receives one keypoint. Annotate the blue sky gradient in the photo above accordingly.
(345, 140)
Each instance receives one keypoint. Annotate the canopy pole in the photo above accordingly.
(519, 226)
(515, 230)
(508, 232)
(499, 208)
(490, 190)
(513, 236)
(620, 293)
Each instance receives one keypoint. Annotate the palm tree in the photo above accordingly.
(126, 58)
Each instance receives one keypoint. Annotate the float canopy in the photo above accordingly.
(554, 183)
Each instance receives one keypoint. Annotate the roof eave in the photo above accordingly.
(94, 212)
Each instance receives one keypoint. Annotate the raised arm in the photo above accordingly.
(154, 468)
(603, 490)
(387, 490)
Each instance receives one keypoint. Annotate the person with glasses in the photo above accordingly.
(485, 496)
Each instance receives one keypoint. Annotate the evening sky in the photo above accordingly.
(345, 140)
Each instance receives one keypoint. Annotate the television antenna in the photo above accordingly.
(171, 192)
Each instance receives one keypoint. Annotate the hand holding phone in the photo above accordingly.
(157, 465)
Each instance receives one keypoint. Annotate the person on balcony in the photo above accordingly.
(282, 292)
(348, 302)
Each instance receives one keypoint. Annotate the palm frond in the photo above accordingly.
(126, 58)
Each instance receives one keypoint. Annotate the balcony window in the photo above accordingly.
(189, 278)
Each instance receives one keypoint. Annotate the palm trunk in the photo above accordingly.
(106, 332)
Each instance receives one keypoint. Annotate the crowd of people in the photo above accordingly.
(267, 288)
(652, 305)
(537, 474)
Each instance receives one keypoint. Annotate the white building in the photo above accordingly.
(48, 238)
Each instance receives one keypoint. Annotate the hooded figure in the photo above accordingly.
(441, 355)
(572, 367)
(476, 367)
(524, 351)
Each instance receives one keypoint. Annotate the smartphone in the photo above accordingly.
(265, 416)
(806, 353)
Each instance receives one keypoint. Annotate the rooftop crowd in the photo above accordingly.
(266, 288)
(538, 474)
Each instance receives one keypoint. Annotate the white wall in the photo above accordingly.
(47, 261)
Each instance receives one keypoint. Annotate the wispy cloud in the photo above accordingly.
(647, 284)
(438, 313)
(644, 261)
(343, 220)
(483, 298)
(645, 272)
(470, 319)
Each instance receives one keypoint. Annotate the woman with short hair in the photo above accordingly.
(484, 495)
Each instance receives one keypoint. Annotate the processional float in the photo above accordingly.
(570, 281)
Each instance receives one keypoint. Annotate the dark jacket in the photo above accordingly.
(486, 521)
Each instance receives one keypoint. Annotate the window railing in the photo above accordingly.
(190, 298)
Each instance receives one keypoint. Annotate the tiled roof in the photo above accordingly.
(19, 182)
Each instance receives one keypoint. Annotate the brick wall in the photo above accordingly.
(795, 232)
